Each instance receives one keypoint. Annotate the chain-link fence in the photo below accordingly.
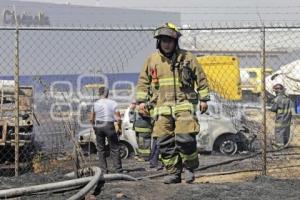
(60, 70)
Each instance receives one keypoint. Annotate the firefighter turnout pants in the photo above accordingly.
(177, 140)
(144, 143)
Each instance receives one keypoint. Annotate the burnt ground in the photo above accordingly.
(257, 187)
(261, 188)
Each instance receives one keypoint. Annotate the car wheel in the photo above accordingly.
(228, 146)
(124, 151)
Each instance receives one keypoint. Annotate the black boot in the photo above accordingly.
(189, 175)
(173, 178)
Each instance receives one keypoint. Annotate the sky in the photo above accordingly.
(195, 12)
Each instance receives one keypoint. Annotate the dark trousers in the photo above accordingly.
(103, 131)
(154, 153)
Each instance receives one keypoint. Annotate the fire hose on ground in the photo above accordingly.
(202, 168)
(210, 166)
(90, 182)
(94, 180)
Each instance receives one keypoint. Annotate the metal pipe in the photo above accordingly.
(1, 101)
(75, 154)
(136, 28)
(263, 100)
(16, 114)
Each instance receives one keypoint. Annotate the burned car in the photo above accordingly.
(217, 133)
(7, 121)
(223, 134)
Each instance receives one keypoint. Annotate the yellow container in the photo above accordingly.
(223, 75)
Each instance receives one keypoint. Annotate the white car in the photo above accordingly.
(217, 133)
(128, 143)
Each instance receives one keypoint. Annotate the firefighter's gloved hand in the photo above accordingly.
(203, 107)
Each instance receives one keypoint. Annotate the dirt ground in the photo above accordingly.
(235, 180)
(261, 188)
(239, 179)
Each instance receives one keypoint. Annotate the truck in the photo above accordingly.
(7, 121)
(251, 78)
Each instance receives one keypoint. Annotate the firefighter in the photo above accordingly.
(172, 84)
(283, 107)
(143, 128)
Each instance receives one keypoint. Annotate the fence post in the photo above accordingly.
(263, 99)
(75, 154)
(16, 113)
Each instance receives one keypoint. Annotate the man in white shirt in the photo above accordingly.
(104, 116)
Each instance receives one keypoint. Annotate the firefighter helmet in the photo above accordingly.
(168, 29)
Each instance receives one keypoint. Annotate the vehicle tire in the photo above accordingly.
(124, 151)
(228, 145)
